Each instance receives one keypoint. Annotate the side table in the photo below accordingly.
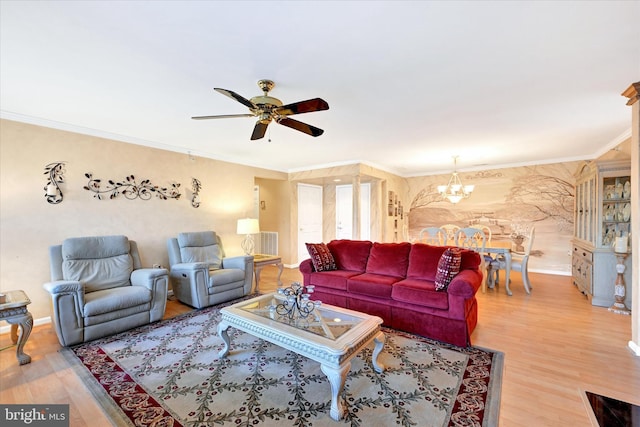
(260, 260)
(13, 309)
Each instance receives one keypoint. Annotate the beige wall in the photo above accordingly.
(274, 212)
(29, 225)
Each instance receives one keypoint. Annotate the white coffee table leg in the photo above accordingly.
(222, 333)
(379, 340)
(337, 377)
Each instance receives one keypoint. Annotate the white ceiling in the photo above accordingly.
(409, 84)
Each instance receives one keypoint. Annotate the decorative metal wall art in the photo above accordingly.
(196, 185)
(55, 172)
(130, 189)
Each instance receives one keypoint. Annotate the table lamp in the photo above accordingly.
(248, 226)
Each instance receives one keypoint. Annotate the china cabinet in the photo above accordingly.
(602, 226)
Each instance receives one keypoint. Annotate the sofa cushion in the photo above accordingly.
(420, 292)
(350, 254)
(334, 279)
(321, 257)
(423, 261)
(448, 267)
(375, 285)
(389, 259)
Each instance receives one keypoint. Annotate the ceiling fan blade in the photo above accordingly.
(224, 116)
(231, 94)
(302, 127)
(315, 104)
(259, 130)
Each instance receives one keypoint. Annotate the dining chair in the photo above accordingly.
(474, 239)
(519, 262)
(486, 229)
(451, 230)
(435, 236)
(487, 258)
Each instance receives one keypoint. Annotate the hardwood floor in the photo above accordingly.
(556, 345)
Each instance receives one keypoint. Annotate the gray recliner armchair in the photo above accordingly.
(201, 275)
(99, 288)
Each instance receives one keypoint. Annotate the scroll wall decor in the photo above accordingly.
(196, 185)
(55, 172)
(130, 189)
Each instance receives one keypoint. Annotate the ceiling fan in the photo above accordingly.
(268, 108)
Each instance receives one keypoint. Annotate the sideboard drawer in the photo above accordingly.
(583, 254)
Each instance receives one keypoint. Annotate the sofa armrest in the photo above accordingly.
(465, 284)
(306, 266)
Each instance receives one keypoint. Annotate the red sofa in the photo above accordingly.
(395, 281)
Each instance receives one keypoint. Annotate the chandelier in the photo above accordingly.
(454, 191)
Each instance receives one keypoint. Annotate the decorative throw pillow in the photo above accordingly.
(448, 267)
(321, 257)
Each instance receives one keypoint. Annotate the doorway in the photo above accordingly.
(344, 211)
(309, 217)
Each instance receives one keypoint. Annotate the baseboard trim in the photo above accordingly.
(42, 321)
(635, 348)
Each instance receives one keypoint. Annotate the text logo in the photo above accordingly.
(34, 415)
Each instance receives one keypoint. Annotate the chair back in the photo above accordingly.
(435, 236)
(99, 262)
(530, 242)
(450, 230)
(470, 238)
(485, 229)
(200, 246)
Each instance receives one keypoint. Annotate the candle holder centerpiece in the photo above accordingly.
(296, 303)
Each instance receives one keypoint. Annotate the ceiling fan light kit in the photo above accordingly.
(267, 108)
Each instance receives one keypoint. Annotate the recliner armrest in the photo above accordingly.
(240, 262)
(62, 287)
(147, 276)
(190, 266)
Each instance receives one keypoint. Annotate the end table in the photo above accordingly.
(13, 309)
(260, 260)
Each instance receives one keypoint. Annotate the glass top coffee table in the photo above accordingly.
(329, 335)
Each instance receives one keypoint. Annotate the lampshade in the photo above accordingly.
(248, 226)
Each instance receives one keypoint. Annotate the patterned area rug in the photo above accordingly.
(169, 374)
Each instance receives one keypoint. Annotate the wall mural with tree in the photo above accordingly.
(509, 201)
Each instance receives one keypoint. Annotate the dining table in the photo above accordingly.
(501, 249)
